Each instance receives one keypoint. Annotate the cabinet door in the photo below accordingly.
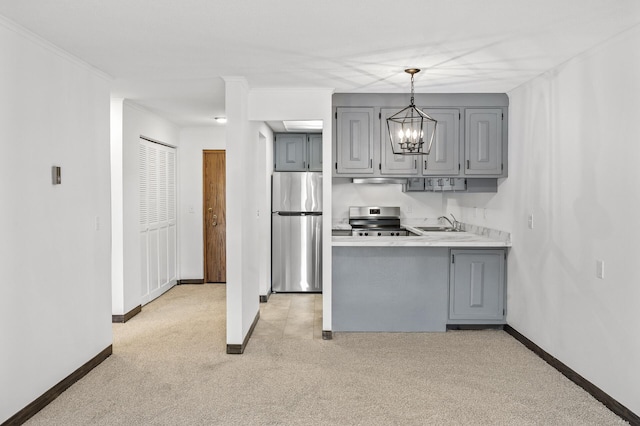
(483, 141)
(291, 152)
(390, 163)
(476, 288)
(315, 152)
(444, 159)
(354, 153)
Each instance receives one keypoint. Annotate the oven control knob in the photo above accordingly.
(366, 233)
(379, 233)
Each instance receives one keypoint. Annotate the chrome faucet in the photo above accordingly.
(447, 219)
(455, 224)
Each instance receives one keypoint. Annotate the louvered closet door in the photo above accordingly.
(158, 238)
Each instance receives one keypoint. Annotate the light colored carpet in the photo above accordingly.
(169, 367)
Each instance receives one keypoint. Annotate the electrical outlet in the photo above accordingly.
(600, 269)
(530, 220)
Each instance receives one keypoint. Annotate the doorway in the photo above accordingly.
(214, 216)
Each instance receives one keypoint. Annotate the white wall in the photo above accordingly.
(414, 206)
(573, 164)
(55, 261)
(242, 292)
(303, 104)
(136, 122)
(264, 169)
(193, 140)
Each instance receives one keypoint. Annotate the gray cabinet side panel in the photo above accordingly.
(389, 289)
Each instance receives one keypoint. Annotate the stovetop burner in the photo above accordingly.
(376, 222)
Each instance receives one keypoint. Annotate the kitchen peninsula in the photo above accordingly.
(422, 282)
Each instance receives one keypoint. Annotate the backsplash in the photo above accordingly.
(412, 205)
(487, 232)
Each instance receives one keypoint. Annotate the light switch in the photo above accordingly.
(56, 175)
(600, 269)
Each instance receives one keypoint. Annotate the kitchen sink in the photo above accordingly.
(437, 229)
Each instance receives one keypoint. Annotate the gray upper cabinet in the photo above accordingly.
(315, 152)
(390, 163)
(444, 158)
(298, 152)
(477, 286)
(354, 141)
(290, 152)
(483, 142)
(470, 140)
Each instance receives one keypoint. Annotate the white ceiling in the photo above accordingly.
(169, 55)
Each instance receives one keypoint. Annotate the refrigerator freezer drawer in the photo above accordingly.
(296, 253)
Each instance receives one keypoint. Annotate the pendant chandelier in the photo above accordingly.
(409, 126)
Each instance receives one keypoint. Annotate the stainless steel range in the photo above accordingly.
(376, 222)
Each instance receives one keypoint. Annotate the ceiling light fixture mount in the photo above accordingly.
(407, 127)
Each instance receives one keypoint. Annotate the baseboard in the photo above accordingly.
(475, 326)
(265, 298)
(239, 349)
(126, 317)
(576, 378)
(327, 335)
(46, 398)
(191, 281)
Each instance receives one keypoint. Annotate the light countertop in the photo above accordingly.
(481, 237)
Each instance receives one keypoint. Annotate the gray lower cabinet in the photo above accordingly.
(477, 286)
(298, 152)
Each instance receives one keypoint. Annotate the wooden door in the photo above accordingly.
(214, 217)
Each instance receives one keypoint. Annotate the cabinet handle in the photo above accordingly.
(468, 167)
(425, 164)
(371, 163)
(415, 164)
(304, 164)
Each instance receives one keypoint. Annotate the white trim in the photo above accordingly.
(36, 39)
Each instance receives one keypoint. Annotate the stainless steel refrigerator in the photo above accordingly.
(296, 232)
